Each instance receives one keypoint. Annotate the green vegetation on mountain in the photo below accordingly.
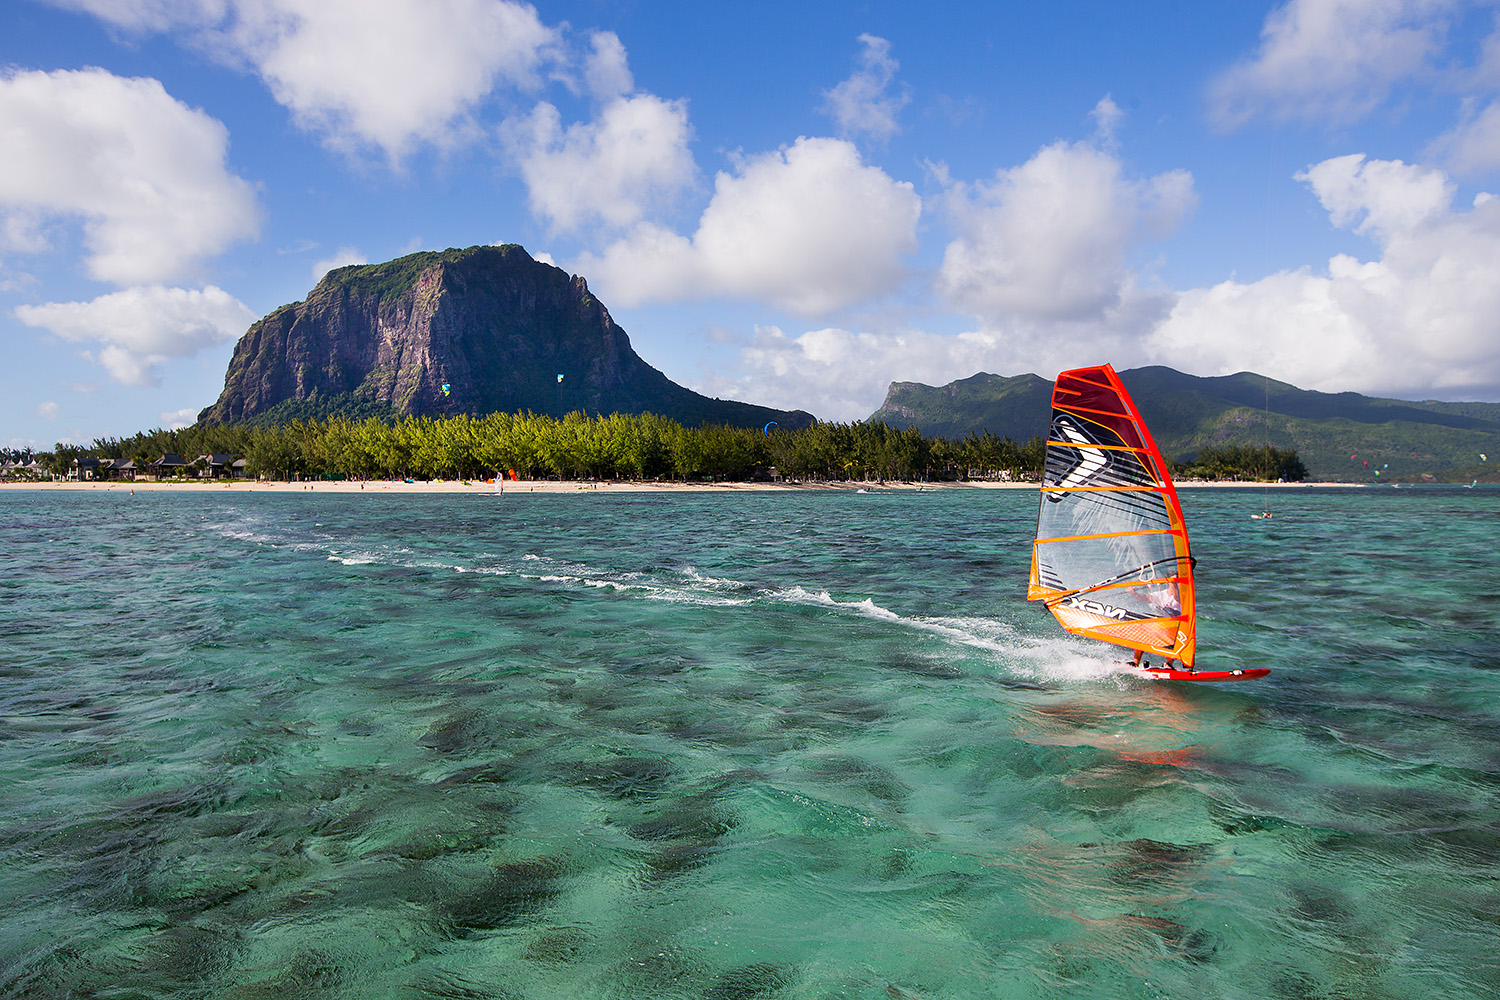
(1190, 417)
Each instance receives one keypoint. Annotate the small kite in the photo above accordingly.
(446, 388)
(768, 428)
(559, 376)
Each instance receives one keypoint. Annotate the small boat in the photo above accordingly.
(1111, 559)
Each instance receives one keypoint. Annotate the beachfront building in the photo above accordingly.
(29, 469)
(117, 468)
(170, 464)
(219, 467)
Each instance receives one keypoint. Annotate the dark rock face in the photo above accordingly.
(492, 323)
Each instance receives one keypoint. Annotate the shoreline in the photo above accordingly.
(374, 486)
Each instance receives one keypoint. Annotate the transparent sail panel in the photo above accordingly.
(1111, 556)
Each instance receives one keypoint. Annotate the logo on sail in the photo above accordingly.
(1096, 608)
(1087, 460)
(1084, 454)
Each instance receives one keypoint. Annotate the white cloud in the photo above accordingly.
(606, 70)
(342, 257)
(144, 172)
(1378, 198)
(1421, 318)
(613, 169)
(141, 328)
(1051, 239)
(862, 103)
(1473, 145)
(1332, 60)
(841, 374)
(1424, 317)
(809, 228)
(150, 15)
(47, 410)
(176, 420)
(1107, 117)
(21, 230)
(386, 73)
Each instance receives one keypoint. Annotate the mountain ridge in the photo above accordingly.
(1186, 413)
(475, 330)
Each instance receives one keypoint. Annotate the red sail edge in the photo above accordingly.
(1111, 558)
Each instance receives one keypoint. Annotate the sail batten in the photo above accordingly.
(1111, 558)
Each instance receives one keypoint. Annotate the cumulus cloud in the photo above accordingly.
(1379, 198)
(841, 374)
(139, 329)
(1333, 60)
(176, 420)
(863, 103)
(1424, 317)
(606, 70)
(809, 228)
(47, 410)
(1051, 239)
(633, 156)
(342, 257)
(144, 172)
(1421, 318)
(391, 74)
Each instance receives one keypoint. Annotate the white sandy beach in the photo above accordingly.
(563, 486)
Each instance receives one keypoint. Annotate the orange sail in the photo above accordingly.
(1111, 555)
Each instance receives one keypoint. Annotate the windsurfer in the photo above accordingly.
(1135, 661)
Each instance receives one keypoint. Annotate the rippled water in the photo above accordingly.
(747, 746)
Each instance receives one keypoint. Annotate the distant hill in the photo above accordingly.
(1402, 438)
(490, 323)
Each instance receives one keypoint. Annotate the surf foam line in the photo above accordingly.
(1049, 659)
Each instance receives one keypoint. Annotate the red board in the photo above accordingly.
(1171, 674)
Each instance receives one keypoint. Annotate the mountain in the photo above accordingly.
(437, 334)
(1402, 438)
(1016, 407)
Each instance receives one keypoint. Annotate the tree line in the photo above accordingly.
(621, 447)
(578, 446)
(1244, 463)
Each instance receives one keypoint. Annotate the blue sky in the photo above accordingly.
(790, 204)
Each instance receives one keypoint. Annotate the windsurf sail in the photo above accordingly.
(1111, 556)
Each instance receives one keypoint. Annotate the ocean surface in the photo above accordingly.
(739, 747)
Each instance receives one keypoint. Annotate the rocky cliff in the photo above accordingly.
(490, 323)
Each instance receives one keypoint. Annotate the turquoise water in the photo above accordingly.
(735, 747)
